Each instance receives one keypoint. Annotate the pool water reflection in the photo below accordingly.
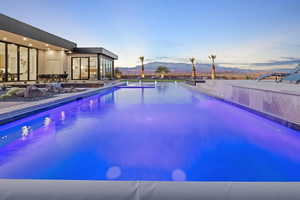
(164, 133)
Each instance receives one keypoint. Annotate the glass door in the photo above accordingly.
(84, 66)
(80, 68)
(23, 64)
(76, 68)
(2, 62)
(12, 68)
(93, 68)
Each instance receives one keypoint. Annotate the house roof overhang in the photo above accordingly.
(95, 50)
(20, 28)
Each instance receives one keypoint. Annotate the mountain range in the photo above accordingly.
(186, 67)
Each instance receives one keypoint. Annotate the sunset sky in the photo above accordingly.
(256, 34)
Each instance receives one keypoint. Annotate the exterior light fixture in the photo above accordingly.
(46, 45)
(4, 38)
(30, 44)
(24, 38)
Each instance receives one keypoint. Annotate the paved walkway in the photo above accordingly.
(6, 107)
(10, 111)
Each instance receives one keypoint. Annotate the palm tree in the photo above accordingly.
(143, 70)
(213, 67)
(162, 70)
(193, 67)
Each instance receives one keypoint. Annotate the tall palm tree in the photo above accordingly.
(143, 70)
(213, 67)
(193, 67)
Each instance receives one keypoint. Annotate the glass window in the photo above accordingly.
(12, 62)
(106, 69)
(33, 64)
(102, 68)
(2, 61)
(84, 68)
(93, 68)
(76, 68)
(23, 63)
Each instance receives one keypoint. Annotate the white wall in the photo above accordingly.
(52, 62)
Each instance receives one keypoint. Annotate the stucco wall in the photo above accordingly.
(52, 62)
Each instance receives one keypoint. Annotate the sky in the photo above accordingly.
(253, 34)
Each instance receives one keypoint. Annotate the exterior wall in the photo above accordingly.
(55, 62)
(271, 98)
(41, 62)
(52, 62)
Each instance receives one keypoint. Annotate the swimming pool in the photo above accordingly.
(167, 133)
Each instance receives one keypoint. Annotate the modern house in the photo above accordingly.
(27, 52)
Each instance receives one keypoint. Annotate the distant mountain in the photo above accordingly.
(183, 67)
(186, 67)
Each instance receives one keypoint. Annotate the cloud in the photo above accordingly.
(287, 61)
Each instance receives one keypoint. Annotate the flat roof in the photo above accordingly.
(14, 26)
(95, 50)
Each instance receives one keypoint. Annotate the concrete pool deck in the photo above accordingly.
(10, 111)
(146, 190)
(277, 101)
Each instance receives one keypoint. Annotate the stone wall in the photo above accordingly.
(280, 101)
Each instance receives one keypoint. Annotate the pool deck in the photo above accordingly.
(277, 101)
(147, 190)
(10, 111)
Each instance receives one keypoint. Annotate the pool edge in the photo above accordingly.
(268, 116)
(25, 112)
(145, 190)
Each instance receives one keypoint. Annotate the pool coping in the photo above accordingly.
(145, 190)
(268, 116)
(47, 104)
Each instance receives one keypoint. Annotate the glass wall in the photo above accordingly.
(75, 68)
(93, 68)
(80, 68)
(12, 56)
(32, 64)
(88, 68)
(106, 68)
(84, 68)
(20, 63)
(23, 63)
(102, 67)
(2, 61)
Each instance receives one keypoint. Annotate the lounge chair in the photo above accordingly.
(293, 76)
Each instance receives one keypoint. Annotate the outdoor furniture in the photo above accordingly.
(53, 77)
(293, 76)
(194, 81)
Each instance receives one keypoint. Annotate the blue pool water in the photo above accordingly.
(164, 133)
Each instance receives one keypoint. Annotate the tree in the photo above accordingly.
(118, 73)
(213, 67)
(193, 67)
(143, 70)
(162, 70)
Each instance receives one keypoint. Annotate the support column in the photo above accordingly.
(113, 69)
